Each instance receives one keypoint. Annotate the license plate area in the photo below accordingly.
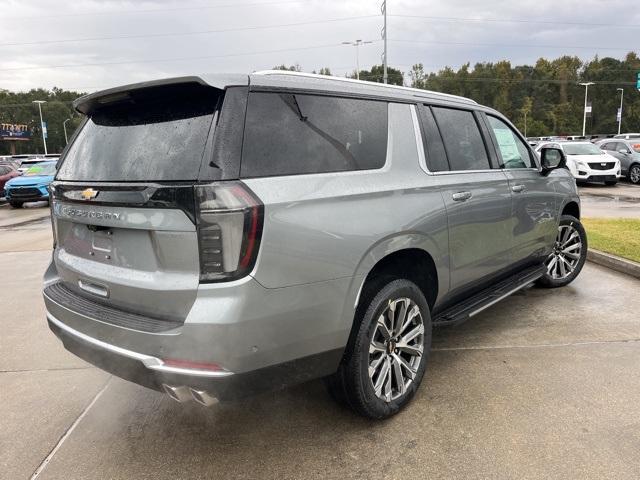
(102, 241)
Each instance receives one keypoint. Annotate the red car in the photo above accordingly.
(7, 172)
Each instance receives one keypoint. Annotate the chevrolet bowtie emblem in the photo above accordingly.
(89, 193)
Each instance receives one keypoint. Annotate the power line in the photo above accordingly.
(180, 34)
(175, 59)
(517, 20)
(516, 45)
(153, 10)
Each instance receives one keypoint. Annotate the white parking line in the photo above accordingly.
(70, 430)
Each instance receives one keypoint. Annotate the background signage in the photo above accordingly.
(14, 131)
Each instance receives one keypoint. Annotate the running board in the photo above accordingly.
(480, 301)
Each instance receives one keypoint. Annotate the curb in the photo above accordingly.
(622, 265)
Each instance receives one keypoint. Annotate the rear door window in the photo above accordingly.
(436, 154)
(462, 139)
(293, 134)
(153, 137)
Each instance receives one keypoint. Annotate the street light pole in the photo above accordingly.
(584, 118)
(64, 126)
(384, 38)
(621, 90)
(44, 140)
(357, 44)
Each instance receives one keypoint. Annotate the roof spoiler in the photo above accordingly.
(87, 103)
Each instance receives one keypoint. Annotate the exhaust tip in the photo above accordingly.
(203, 397)
(179, 394)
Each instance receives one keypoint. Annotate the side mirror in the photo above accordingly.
(624, 151)
(552, 158)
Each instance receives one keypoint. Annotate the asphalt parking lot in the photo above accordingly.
(543, 385)
(620, 201)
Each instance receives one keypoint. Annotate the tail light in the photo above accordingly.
(229, 222)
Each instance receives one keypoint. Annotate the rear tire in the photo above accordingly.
(569, 254)
(16, 204)
(634, 174)
(384, 364)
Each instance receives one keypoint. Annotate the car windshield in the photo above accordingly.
(48, 168)
(581, 149)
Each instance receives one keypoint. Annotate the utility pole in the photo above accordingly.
(44, 137)
(357, 44)
(584, 118)
(621, 90)
(384, 39)
(525, 124)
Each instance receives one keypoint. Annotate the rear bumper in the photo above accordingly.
(262, 338)
(151, 372)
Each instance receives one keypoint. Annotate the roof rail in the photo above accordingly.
(362, 82)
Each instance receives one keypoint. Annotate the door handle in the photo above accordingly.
(461, 196)
(518, 188)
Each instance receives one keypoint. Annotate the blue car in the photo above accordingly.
(32, 185)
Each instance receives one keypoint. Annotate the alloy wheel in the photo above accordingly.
(634, 174)
(565, 257)
(396, 349)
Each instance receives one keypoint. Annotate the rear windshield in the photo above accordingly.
(154, 136)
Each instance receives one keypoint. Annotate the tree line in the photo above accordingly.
(547, 96)
(17, 108)
(544, 99)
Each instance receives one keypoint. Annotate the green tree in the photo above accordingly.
(376, 74)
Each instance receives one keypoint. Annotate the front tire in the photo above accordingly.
(569, 253)
(386, 357)
(634, 174)
(610, 184)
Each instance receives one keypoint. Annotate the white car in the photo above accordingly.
(587, 163)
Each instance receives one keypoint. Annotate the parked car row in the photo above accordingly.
(26, 178)
(605, 160)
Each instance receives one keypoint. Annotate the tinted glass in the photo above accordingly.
(607, 146)
(462, 139)
(436, 155)
(621, 146)
(513, 151)
(158, 137)
(288, 134)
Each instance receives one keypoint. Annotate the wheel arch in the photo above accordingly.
(571, 208)
(392, 255)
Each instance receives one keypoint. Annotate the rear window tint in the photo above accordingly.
(155, 137)
(287, 134)
(436, 155)
(462, 139)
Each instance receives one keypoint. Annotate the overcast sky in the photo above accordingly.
(70, 44)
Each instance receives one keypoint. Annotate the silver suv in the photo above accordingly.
(218, 236)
